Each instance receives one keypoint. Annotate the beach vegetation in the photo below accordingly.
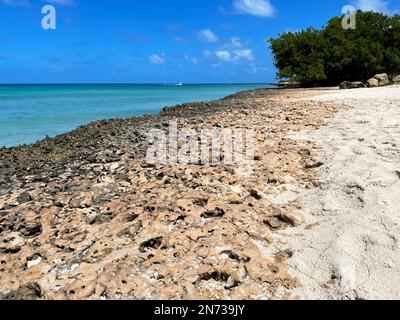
(332, 54)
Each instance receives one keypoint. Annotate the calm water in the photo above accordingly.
(30, 112)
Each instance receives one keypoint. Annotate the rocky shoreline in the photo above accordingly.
(83, 216)
(85, 144)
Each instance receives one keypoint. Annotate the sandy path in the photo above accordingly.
(352, 251)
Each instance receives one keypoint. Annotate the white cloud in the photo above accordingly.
(234, 55)
(207, 35)
(246, 54)
(191, 59)
(224, 55)
(233, 43)
(373, 5)
(259, 8)
(157, 58)
(17, 3)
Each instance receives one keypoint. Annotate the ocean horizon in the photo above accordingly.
(30, 112)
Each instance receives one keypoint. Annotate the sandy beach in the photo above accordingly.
(351, 249)
(84, 216)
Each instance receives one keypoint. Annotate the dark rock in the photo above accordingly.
(352, 85)
(217, 213)
(31, 231)
(154, 243)
(314, 165)
(274, 222)
(24, 197)
(12, 250)
(29, 292)
(255, 194)
(131, 217)
(231, 255)
(148, 166)
(229, 281)
(200, 202)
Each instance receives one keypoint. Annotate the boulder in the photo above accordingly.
(372, 83)
(396, 79)
(382, 79)
(351, 85)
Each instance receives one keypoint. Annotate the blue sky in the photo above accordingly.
(154, 41)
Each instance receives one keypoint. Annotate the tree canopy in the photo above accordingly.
(333, 54)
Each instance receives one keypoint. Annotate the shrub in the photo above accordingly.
(333, 54)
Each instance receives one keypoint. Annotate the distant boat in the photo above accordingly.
(174, 84)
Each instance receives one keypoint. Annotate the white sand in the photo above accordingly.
(354, 251)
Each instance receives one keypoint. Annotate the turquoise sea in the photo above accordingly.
(30, 112)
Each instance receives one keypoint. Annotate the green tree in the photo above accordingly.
(299, 56)
(333, 54)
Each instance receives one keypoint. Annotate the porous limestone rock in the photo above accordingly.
(91, 219)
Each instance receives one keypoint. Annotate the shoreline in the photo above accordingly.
(317, 218)
(272, 90)
(57, 109)
(131, 230)
(68, 143)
